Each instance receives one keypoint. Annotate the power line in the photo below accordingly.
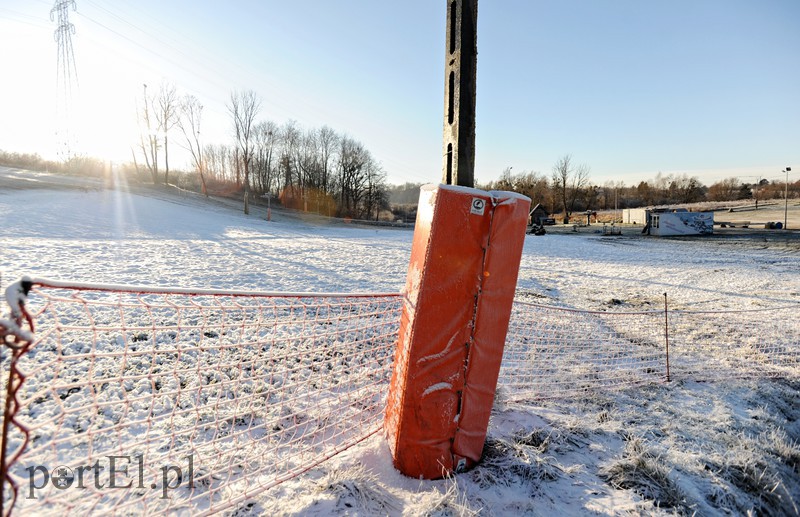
(187, 57)
(27, 19)
(144, 31)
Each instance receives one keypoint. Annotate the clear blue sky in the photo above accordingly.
(631, 88)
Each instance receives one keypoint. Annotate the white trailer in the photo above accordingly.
(667, 223)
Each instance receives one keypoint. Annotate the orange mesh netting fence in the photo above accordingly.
(712, 345)
(558, 352)
(138, 400)
(554, 352)
(155, 401)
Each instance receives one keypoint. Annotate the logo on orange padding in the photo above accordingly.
(478, 206)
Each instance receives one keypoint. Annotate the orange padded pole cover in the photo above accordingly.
(460, 287)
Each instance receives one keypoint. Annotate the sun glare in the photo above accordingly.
(104, 121)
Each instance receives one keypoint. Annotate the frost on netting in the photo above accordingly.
(159, 401)
(554, 352)
(12, 329)
(164, 401)
(746, 343)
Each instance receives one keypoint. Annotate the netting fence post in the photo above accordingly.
(459, 293)
(11, 407)
(666, 332)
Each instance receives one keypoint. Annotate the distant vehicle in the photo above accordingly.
(536, 229)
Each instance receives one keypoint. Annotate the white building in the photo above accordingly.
(634, 215)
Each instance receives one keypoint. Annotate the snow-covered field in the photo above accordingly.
(727, 447)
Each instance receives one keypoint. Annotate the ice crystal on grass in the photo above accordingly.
(450, 501)
(520, 459)
(358, 491)
(644, 472)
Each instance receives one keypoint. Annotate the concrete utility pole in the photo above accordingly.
(461, 58)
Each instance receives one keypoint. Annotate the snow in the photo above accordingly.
(11, 328)
(439, 386)
(729, 446)
(140, 240)
(16, 298)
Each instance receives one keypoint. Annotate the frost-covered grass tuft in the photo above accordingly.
(520, 459)
(357, 491)
(450, 501)
(757, 474)
(641, 470)
(782, 447)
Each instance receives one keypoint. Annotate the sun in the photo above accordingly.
(104, 123)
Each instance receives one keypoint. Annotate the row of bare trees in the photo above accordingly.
(157, 115)
(314, 169)
(568, 189)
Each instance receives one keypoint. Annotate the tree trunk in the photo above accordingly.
(203, 183)
(246, 188)
(135, 163)
(166, 161)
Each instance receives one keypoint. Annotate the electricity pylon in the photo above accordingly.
(66, 75)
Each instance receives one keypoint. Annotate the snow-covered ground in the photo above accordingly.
(711, 448)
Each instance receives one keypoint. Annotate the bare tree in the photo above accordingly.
(533, 185)
(308, 166)
(309, 169)
(611, 195)
(216, 159)
(376, 197)
(244, 107)
(506, 180)
(167, 115)
(148, 139)
(327, 139)
(660, 186)
(568, 182)
(290, 142)
(685, 189)
(355, 165)
(266, 137)
(725, 190)
(191, 112)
